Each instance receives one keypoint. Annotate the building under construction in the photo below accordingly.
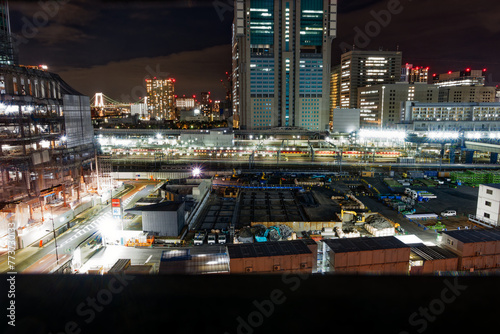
(46, 143)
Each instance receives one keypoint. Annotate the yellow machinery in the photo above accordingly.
(357, 215)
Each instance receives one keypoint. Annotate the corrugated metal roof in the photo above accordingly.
(164, 206)
(432, 253)
(264, 249)
(120, 265)
(471, 236)
(363, 244)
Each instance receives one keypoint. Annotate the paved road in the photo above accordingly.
(69, 240)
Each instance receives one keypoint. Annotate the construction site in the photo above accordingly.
(46, 151)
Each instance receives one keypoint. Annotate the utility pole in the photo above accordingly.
(54, 230)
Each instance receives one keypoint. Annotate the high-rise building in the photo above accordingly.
(334, 91)
(367, 68)
(281, 63)
(161, 99)
(413, 75)
(185, 103)
(467, 77)
(381, 105)
(7, 53)
(206, 104)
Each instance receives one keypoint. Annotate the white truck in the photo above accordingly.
(199, 238)
(222, 239)
(211, 239)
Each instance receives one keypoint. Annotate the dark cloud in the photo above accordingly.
(194, 71)
(106, 45)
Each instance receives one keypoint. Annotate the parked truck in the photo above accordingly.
(199, 238)
(211, 239)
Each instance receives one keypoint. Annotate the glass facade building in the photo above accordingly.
(281, 63)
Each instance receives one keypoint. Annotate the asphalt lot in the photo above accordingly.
(462, 199)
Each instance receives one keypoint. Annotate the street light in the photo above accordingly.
(54, 230)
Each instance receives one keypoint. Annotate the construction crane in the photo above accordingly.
(359, 217)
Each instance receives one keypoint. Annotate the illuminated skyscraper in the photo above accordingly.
(7, 55)
(281, 63)
(367, 68)
(413, 75)
(161, 99)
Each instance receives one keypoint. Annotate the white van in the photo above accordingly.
(448, 213)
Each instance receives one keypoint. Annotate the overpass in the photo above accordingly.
(473, 146)
(483, 147)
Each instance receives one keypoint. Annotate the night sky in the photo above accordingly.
(112, 46)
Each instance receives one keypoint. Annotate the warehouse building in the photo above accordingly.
(477, 249)
(384, 255)
(166, 219)
(431, 260)
(271, 258)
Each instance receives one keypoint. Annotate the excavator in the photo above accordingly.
(360, 218)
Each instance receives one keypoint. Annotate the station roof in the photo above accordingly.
(265, 249)
(471, 236)
(432, 252)
(363, 244)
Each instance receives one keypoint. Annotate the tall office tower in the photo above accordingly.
(334, 91)
(467, 77)
(7, 54)
(206, 104)
(367, 68)
(281, 63)
(161, 99)
(413, 75)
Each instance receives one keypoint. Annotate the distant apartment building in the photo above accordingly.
(185, 103)
(464, 94)
(281, 63)
(467, 77)
(161, 99)
(367, 68)
(381, 104)
(411, 74)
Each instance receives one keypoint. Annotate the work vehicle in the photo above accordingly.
(199, 238)
(222, 239)
(211, 239)
(448, 213)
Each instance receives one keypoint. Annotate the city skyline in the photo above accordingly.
(193, 45)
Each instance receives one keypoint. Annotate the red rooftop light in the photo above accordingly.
(468, 70)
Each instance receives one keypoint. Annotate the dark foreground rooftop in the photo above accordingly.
(364, 244)
(278, 248)
(471, 236)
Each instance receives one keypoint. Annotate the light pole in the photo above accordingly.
(54, 230)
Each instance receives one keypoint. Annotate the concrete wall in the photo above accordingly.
(302, 263)
(346, 120)
(164, 223)
(387, 261)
